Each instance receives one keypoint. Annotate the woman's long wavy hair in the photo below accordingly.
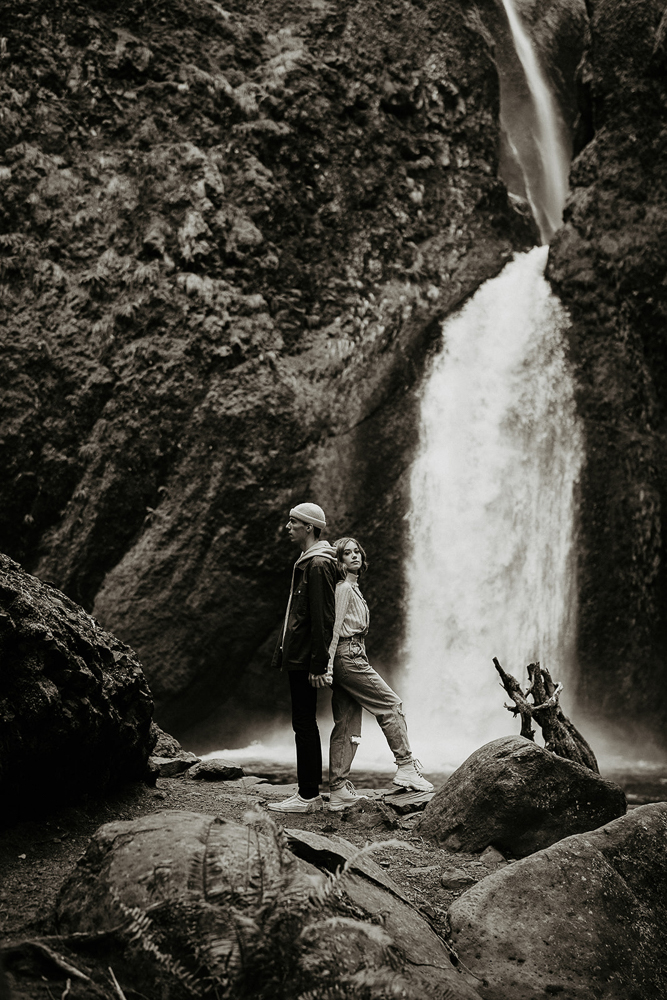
(339, 546)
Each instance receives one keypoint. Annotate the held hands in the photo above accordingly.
(322, 680)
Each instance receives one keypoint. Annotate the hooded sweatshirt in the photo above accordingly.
(308, 626)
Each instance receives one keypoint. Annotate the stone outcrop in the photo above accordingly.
(516, 796)
(168, 757)
(583, 919)
(216, 769)
(167, 746)
(229, 238)
(607, 264)
(75, 708)
(241, 911)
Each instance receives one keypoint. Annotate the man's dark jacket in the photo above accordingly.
(310, 619)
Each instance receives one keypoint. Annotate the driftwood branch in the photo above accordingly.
(560, 735)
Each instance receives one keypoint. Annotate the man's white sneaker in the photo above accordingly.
(344, 797)
(295, 804)
(409, 776)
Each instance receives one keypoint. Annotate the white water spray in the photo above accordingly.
(492, 571)
(545, 159)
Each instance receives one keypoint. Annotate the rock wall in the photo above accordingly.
(75, 709)
(229, 235)
(607, 264)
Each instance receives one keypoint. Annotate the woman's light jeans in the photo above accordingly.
(357, 686)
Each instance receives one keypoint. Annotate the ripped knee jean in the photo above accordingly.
(356, 685)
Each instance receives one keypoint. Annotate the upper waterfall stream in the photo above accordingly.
(543, 151)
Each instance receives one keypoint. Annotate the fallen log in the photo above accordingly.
(560, 735)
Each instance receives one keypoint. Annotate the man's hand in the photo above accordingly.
(321, 680)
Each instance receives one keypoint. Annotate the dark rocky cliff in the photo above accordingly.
(608, 266)
(227, 237)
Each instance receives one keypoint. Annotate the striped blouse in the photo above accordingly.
(357, 617)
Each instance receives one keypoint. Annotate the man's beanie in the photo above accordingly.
(310, 513)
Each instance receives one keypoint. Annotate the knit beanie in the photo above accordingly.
(310, 513)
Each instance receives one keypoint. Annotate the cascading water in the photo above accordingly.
(492, 571)
(540, 143)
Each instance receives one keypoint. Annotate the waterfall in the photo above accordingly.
(543, 154)
(492, 570)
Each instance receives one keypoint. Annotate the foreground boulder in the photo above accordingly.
(520, 798)
(194, 900)
(584, 919)
(75, 707)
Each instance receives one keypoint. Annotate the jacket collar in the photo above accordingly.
(320, 548)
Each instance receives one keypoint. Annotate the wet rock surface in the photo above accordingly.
(228, 253)
(607, 265)
(75, 708)
(584, 918)
(515, 796)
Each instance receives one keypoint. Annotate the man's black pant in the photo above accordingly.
(306, 733)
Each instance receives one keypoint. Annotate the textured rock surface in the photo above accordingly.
(583, 919)
(218, 880)
(607, 264)
(229, 234)
(168, 746)
(518, 797)
(75, 709)
(216, 770)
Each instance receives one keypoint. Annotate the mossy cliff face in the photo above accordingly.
(608, 266)
(228, 236)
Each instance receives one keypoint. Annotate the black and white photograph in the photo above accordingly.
(333, 499)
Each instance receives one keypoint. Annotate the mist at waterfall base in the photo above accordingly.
(492, 524)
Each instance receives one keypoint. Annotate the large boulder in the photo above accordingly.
(520, 798)
(75, 707)
(583, 919)
(242, 912)
(373, 892)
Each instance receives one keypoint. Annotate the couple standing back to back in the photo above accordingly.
(321, 644)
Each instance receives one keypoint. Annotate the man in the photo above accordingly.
(303, 648)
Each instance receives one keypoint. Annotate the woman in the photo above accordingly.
(356, 685)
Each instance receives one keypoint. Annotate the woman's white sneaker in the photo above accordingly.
(344, 797)
(295, 804)
(409, 776)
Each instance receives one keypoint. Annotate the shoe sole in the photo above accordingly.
(296, 812)
(348, 805)
(411, 786)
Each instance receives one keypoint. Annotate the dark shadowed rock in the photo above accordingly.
(216, 770)
(607, 265)
(520, 798)
(167, 767)
(583, 919)
(169, 757)
(75, 708)
(169, 747)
